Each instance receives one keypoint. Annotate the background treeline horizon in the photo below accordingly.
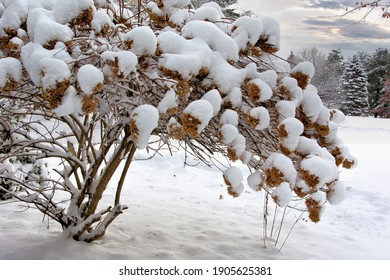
(357, 85)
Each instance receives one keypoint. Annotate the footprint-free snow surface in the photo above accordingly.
(178, 212)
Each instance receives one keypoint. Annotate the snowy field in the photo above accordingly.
(178, 213)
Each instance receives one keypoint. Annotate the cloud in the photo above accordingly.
(348, 28)
(265, 7)
(351, 48)
(331, 5)
(364, 30)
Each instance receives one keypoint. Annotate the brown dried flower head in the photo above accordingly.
(9, 86)
(282, 132)
(183, 90)
(89, 104)
(105, 30)
(50, 44)
(7, 37)
(251, 121)
(84, 18)
(263, 43)
(322, 130)
(336, 152)
(306, 121)
(310, 179)
(348, 164)
(300, 192)
(284, 91)
(314, 207)
(284, 150)
(256, 51)
(253, 91)
(175, 130)
(302, 79)
(54, 95)
(273, 177)
(190, 124)
(232, 154)
(158, 20)
(128, 44)
(231, 191)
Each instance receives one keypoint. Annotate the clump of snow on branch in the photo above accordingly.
(282, 194)
(43, 28)
(119, 64)
(90, 79)
(256, 181)
(279, 168)
(228, 133)
(197, 116)
(233, 178)
(101, 22)
(10, 73)
(336, 193)
(216, 39)
(141, 41)
(144, 120)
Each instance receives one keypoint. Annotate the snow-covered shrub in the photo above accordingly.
(94, 80)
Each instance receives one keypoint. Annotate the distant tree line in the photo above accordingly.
(358, 85)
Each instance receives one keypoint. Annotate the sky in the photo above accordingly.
(321, 24)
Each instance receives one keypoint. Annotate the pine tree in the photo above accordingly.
(377, 66)
(353, 89)
(335, 56)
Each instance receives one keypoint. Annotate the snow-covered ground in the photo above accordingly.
(178, 213)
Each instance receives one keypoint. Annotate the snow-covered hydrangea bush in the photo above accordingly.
(110, 74)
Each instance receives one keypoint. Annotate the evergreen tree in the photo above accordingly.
(335, 56)
(378, 68)
(364, 58)
(353, 89)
